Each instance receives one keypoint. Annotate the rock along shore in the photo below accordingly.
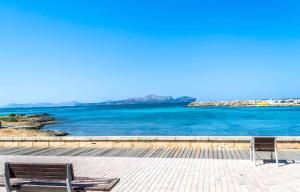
(27, 125)
(248, 103)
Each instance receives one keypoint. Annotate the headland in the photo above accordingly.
(27, 125)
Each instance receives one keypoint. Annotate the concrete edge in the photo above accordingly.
(144, 138)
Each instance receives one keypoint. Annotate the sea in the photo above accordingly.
(170, 120)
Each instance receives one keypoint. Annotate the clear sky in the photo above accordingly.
(89, 51)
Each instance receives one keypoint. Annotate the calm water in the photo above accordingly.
(172, 120)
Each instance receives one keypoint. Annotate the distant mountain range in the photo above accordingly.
(149, 99)
(32, 105)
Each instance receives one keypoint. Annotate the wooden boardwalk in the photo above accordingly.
(179, 152)
(171, 169)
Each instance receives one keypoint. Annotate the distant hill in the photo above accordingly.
(32, 105)
(149, 99)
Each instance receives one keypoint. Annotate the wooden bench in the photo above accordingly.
(51, 177)
(264, 144)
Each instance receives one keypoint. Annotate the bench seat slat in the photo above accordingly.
(33, 166)
(264, 143)
(41, 177)
(39, 171)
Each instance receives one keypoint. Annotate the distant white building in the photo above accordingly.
(284, 101)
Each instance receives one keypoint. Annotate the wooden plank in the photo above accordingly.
(197, 152)
(177, 152)
(202, 153)
(123, 152)
(156, 152)
(183, 152)
(23, 151)
(3, 149)
(12, 150)
(42, 151)
(87, 152)
(101, 151)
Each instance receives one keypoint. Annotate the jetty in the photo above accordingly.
(164, 164)
(248, 103)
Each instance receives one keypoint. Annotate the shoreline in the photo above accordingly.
(15, 125)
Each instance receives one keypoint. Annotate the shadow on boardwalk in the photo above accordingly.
(290, 156)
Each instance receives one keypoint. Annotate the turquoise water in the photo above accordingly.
(171, 120)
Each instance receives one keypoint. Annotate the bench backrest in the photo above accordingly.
(264, 143)
(39, 171)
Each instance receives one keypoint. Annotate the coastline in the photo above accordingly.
(16, 125)
(21, 132)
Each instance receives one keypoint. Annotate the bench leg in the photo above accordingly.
(254, 159)
(69, 179)
(276, 157)
(271, 156)
(7, 178)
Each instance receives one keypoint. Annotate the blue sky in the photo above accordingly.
(60, 51)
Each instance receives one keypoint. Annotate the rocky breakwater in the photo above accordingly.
(27, 125)
(249, 103)
(225, 103)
